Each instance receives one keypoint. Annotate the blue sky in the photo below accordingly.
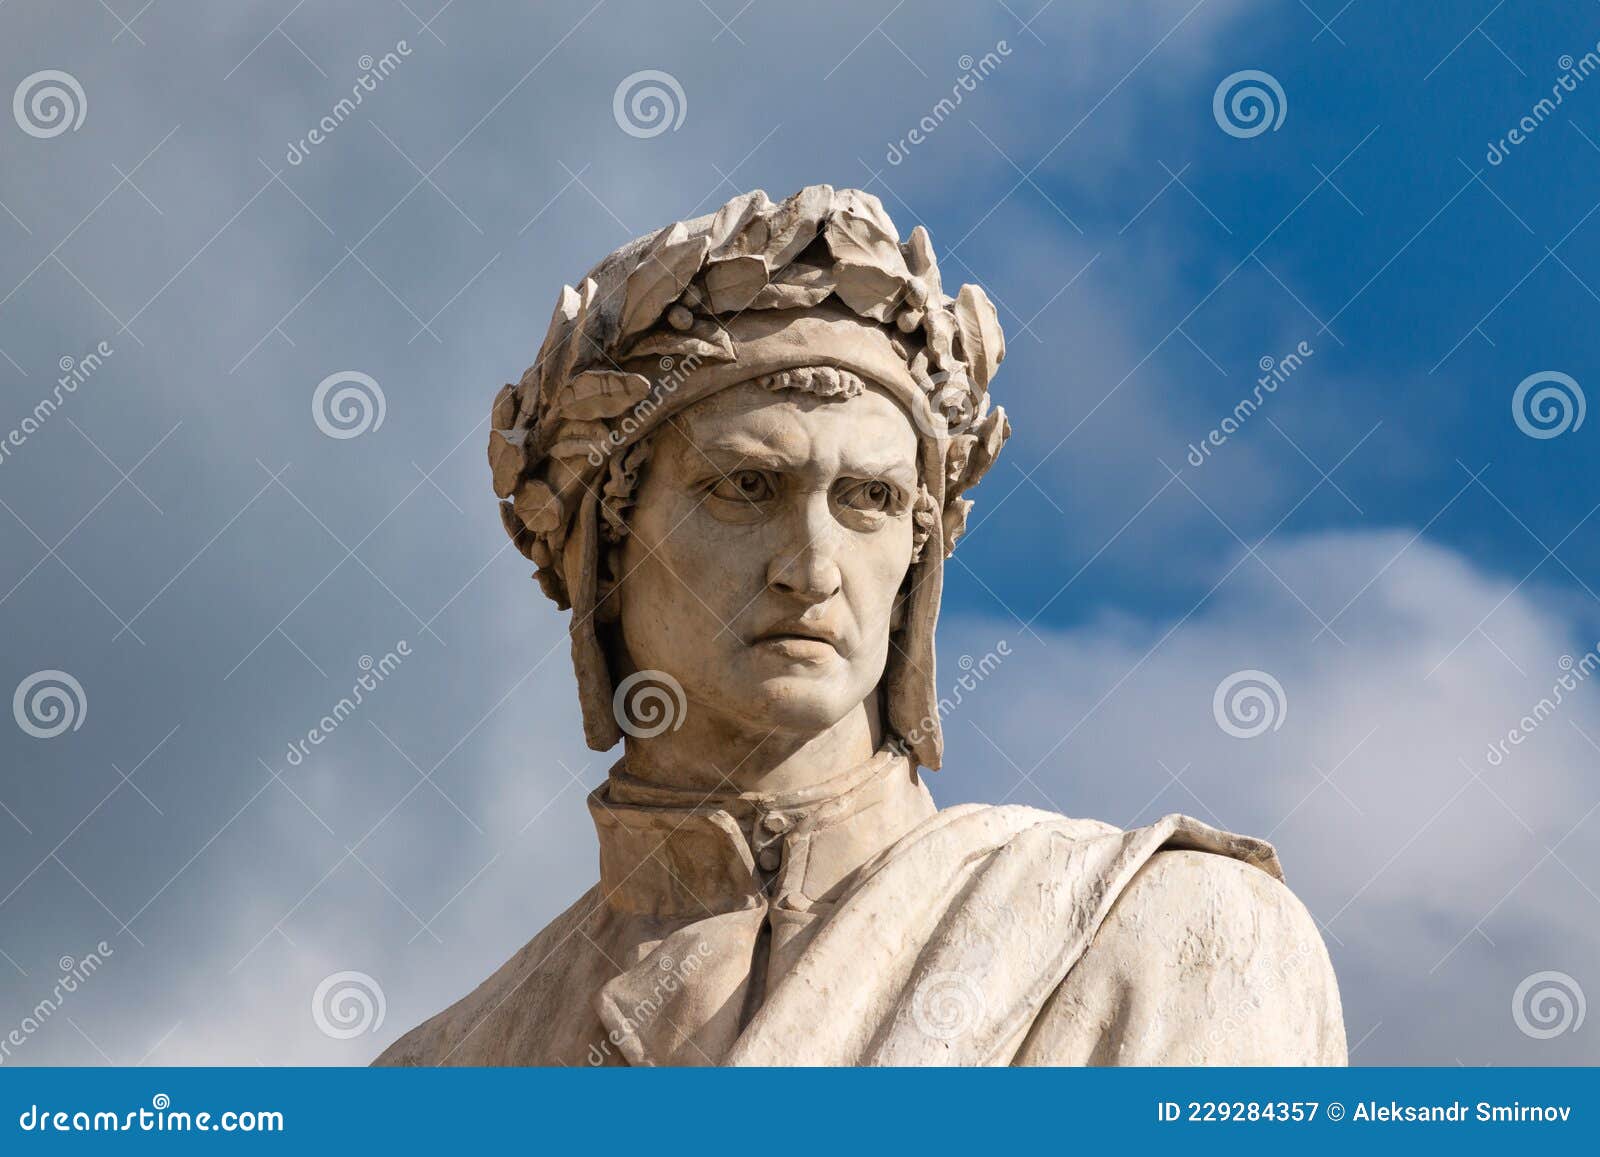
(1427, 567)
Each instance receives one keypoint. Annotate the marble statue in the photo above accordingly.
(740, 461)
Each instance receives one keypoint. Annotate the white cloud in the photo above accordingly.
(1439, 889)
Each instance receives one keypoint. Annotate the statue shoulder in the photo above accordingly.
(500, 1022)
(1203, 959)
(1211, 909)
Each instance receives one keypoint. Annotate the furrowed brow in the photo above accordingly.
(732, 451)
(879, 466)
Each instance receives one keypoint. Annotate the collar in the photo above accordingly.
(666, 852)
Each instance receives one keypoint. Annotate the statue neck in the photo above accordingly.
(718, 755)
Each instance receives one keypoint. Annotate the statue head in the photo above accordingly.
(740, 461)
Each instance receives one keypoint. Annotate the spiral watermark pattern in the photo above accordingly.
(649, 103)
(951, 411)
(49, 703)
(647, 703)
(348, 404)
(1548, 1004)
(1249, 102)
(347, 1004)
(947, 1005)
(49, 103)
(1548, 404)
(1248, 703)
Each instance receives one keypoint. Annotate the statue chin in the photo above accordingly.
(802, 704)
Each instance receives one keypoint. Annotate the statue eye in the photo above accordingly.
(744, 486)
(873, 494)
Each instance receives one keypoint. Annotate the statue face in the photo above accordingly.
(769, 539)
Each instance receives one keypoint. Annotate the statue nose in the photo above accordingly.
(810, 576)
(806, 570)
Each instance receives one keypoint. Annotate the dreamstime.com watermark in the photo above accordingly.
(974, 672)
(161, 1117)
(1274, 372)
(671, 973)
(373, 673)
(1573, 73)
(74, 373)
(74, 974)
(372, 71)
(973, 72)
(1575, 671)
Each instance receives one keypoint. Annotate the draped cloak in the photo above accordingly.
(853, 923)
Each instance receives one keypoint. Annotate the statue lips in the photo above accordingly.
(801, 641)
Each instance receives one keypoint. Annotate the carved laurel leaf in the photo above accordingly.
(800, 286)
(574, 345)
(553, 587)
(568, 304)
(509, 520)
(551, 350)
(727, 232)
(660, 278)
(579, 439)
(868, 289)
(793, 224)
(954, 397)
(983, 346)
(940, 329)
(732, 284)
(920, 261)
(957, 457)
(861, 241)
(955, 522)
(538, 507)
(507, 457)
(855, 205)
(504, 413)
(869, 270)
(706, 341)
(992, 433)
(600, 394)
